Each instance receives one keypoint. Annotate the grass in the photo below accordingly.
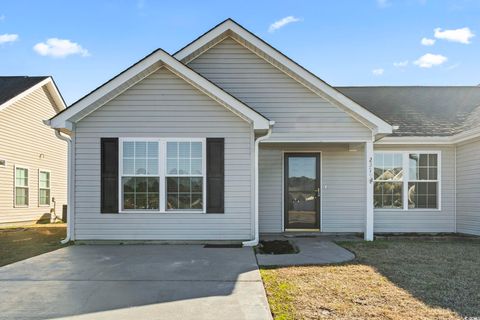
(393, 279)
(19, 243)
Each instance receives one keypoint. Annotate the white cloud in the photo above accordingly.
(462, 35)
(282, 23)
(427, 41)
(377, 72)
(7, 37)
(60, 48)
(383, 3)
(2, 17)
(400, 64)
(430, 60)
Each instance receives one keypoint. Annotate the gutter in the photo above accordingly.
(69, 237)
(255, 240)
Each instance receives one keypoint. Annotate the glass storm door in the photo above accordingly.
(302, 191)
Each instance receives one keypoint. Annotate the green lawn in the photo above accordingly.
(20, 243)
(394, 279)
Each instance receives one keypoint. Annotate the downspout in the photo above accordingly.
(69, 185)
(256, 237)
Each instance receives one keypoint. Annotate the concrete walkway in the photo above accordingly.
(135, 282)
(313, 251)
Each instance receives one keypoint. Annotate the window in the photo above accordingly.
(21, 187)
(184, 175)
(422, 180)
(140, 178)
(43, 188)
(406, 180)
(162, 175)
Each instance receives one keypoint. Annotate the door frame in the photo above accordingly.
(319, 154)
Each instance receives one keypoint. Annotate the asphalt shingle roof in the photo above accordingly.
(13, 86)
(421, 111)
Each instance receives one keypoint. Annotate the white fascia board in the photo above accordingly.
(378, 125)
(415, 140)
(59, 103)
(435, 140)
(157, 57)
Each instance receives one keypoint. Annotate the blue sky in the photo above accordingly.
(343, 42)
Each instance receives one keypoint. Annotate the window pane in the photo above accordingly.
(44, 179)
(184, 149)
(128, 149)
(196, 166)
(128, 184)
(21, 177)
(196, 150)
(184, 166)
(140, 149)
(128, 166)
(172, 149)
(196, 184)
(378, 165)
(129, 201)
(432, 160)
(152, 166)
(44, 197)
(172, 201)
(172, 166)
(183, 184)
(172, 185)
(140, 166)
(152, 150)
(197, 201)
(184, 201)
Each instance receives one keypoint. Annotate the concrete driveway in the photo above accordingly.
(135, 282)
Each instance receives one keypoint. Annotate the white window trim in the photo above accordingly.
(162, 163)
(406, 180)
(15, 205)
(49, 188)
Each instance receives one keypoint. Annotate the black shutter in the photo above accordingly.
(109, 175)
(215, 175)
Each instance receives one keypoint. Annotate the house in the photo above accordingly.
(229, 138)
(33, 161)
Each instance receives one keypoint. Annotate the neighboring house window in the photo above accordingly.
(140, 176)
(21, 187)
(406, 180)
(43, 188)
(184, 175)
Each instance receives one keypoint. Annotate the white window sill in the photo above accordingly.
(162, 212)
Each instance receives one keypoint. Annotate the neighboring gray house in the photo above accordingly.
(33, 161)
(229, 138)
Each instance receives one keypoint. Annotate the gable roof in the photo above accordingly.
(230, 28)
(146, 66)
(422, 111)
(13, 88)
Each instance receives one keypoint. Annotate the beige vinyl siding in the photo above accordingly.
(299, 114)
(423, 220)
(343, 186)
(163, 105)
(468, 188)
(27, 142)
